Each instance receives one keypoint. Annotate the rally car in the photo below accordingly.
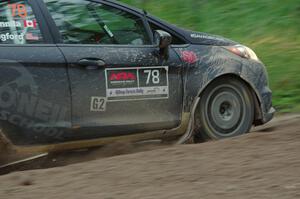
(83, 73)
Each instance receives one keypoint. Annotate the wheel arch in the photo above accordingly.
(258, 117)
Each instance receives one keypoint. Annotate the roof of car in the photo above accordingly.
(124, 5)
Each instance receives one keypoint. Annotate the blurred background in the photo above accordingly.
(270, 27)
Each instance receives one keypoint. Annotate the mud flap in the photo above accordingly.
(190, 129)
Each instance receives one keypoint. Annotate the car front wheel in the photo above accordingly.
(226, 109)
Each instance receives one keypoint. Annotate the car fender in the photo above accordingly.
(204, 64)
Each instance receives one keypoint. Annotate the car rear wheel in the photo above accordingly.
(226, 110)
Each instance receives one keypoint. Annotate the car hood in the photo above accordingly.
(196, 37)
(206, 39)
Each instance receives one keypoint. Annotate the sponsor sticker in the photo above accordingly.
(32, 37)
(139, 83)
(189, 57)
(200, 36)
(30, 23)
(98, 104)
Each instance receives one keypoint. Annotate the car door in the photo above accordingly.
(34, 88)
(119, 82)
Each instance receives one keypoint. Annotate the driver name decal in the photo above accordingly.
(139, 83)
(13, 36)
(10, 24)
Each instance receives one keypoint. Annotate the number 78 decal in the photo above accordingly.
(153, 75)
(18, 9)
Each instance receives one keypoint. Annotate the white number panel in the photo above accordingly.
(139, 83)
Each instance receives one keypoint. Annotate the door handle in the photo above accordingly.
(91, 64)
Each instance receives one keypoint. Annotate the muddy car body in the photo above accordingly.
(84, 73)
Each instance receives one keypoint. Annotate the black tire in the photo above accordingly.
(226, 109)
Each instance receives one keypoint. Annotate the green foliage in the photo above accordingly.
(270, 27)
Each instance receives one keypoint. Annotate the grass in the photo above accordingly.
(270, 27)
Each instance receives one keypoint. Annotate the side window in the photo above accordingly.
(18, 24)
(86, 22)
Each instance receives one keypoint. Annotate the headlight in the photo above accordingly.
(243, 51)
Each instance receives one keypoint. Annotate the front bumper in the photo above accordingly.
(269, 115)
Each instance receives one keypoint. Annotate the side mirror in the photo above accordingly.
(163, 40)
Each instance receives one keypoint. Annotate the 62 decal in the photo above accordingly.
(18, 9)
(98, 104)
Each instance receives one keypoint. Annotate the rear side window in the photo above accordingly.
(18, 24)
(86, 22)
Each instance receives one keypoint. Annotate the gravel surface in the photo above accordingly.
(264, 164)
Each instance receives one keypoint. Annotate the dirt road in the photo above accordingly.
(264, 164)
